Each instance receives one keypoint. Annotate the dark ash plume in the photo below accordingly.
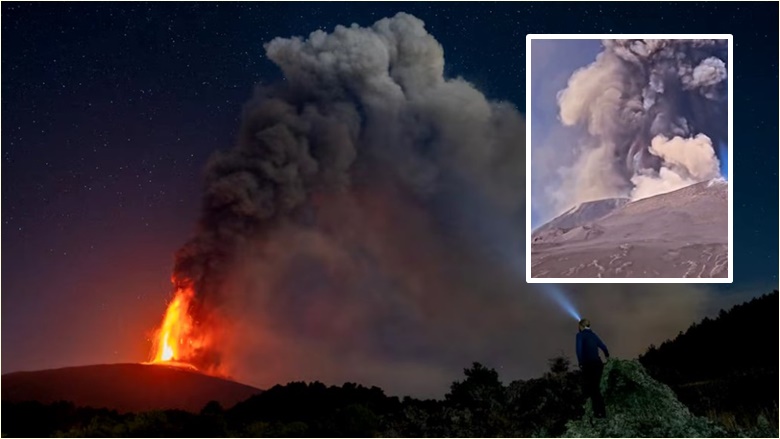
(360, 108)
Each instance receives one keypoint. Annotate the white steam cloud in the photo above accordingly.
(684, 162)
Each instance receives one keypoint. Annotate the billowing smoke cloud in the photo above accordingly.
(364, 114)
(368, 226)
(635, 95)
(684, 162)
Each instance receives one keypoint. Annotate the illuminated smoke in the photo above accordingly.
(364, 118)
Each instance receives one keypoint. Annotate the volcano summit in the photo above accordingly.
(681, 234)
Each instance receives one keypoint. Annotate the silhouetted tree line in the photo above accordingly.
(726, 366)
(479, 405)
(706, 366)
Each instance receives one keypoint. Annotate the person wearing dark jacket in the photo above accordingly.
(588, 345)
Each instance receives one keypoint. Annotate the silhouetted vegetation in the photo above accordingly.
(725, 368)
(705, 366)
(480, 405)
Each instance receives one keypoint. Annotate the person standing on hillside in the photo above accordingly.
(588, 345)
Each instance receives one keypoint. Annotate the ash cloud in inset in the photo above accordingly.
(647, 116)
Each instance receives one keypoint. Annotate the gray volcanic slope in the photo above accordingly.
(577, 216)
(679, 234)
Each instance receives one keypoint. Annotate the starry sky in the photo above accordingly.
(110, 111)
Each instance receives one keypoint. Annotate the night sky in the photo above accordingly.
(110, 111)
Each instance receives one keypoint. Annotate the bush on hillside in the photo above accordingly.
(639, 406)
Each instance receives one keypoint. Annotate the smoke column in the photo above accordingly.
(651, 112)
(363, 120)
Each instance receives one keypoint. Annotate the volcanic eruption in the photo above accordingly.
(364, 128)
(640, 129)
(648, 116)
(176, 341)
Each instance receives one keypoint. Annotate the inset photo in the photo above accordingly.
(628, 171)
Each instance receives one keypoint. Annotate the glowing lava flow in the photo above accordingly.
(173, 342)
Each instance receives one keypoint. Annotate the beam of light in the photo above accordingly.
(724, 160)
(556, 293)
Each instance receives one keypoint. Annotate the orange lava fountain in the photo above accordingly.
(174, 343)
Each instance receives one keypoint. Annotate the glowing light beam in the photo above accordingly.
(556, 293)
